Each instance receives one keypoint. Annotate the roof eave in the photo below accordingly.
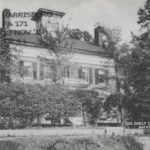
(41, 11)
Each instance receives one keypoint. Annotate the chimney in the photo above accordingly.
(100, 37)
(46, 18)
(5, 18)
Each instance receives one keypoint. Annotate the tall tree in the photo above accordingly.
(22, 102)
(5, 58)
(60, 51)
(136, 70)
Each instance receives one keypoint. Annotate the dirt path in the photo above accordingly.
(145, 140)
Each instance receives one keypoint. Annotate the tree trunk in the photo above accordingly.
(39, 121)
(11, 122)
(84, 119)
(117, 78)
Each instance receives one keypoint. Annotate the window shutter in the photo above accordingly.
(68, 72)
(21, 68)
(80, 73)
(106, 77)
(90, 76)
(96, 76)
(58, 72)
(34, 67)
(41, 71)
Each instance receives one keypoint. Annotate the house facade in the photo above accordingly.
(98, 72)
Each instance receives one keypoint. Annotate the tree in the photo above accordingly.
(90, 103)
(21, 102)
(144, 15)
(87, 36)
(113, 37)
(9, 60)
(112, 50)
(114, 104)
(59, 102)
(135, 68)
(5, 58)
(60, 51)
(77, 34)
(123, 63)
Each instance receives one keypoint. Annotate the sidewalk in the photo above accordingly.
(69, 131)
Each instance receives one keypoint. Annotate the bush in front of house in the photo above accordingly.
(21, 104)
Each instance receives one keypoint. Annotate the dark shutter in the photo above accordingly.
(80, 73)
(34, 66)
(96, 76)
(21, 68)
(68, 72)
(41, 71)
(90, 76)
(58, 72)
(106, 77)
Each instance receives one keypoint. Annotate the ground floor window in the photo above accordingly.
(44, 71)
(101, 76)
(28, 69)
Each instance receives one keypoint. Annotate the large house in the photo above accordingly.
(98, 70)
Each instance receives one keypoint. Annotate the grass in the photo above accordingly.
(71, 142)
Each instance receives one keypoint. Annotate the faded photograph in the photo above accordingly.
(74, 75)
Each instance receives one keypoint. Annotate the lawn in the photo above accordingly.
(78, 142)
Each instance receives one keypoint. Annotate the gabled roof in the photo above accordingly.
(83, 46)
(34, 40)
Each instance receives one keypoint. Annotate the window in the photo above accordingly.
(28, 69)
(47, 72)
(85, 74)
(44, 71)
(99, 76)
(71, 72)
(74, 72)
(67, 72)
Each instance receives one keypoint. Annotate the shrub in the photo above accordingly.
(71, 143)
(129, 142)
(9, 145)
(74, 144)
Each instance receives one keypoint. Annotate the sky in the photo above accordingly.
(85, 14)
